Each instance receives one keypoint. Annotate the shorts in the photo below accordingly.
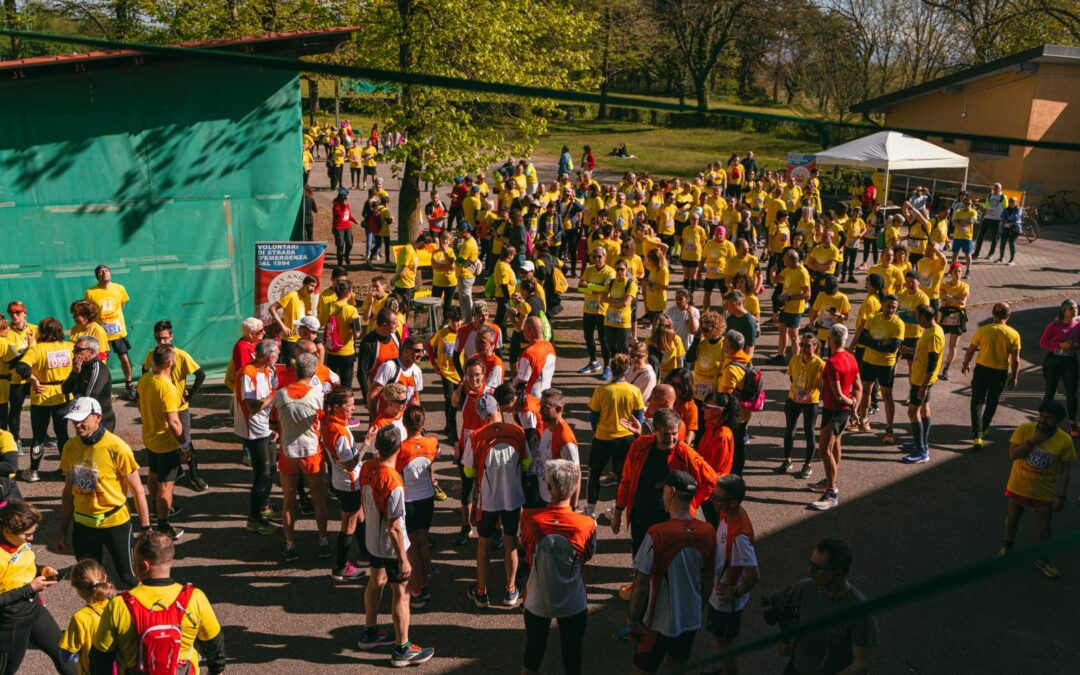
(392, 567)
(883, 375)
(909, 344)
(790, 319)
(690, 264)
(1028, 502)
(961, 246)
(165, 465)
(837, 419)
(652, 648)
(311, 466)
(509, 520)
(370, 170)
(185, 428)
(418, 514)
(724, 625)
(467, 483)
(955, 328)
(120, 345)
(715, 285)
(913, 396)
(349, 501)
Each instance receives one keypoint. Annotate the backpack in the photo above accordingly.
(545, 327)
(159, 633)
(373, 221)
(332, 337)
(752, 394)
(489, 288)
(558, 281)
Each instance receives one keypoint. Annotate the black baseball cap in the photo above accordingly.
(683, 483)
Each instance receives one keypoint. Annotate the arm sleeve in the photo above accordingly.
(99, 387)
(931, 362)
(1051, 338)
(9, 462)
(102, 663)
(213, 650)
(16, 595)
(200, 377)
(70, 384)
(365, 361)
(22, 369)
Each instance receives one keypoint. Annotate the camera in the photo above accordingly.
(781, 608)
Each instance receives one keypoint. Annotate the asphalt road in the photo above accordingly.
(905, 523)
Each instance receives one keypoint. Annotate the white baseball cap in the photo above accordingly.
(82, 408)
(528, 266)
(310, 322)
(486, 406)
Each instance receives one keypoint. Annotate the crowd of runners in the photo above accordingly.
(328, 402)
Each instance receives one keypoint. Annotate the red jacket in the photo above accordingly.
(681, 458)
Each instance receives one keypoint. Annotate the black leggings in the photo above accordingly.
(88, 542)
(262, 467)
(1061, 369)
(447, 295)
(869, 246)
(38, 628)
(40, 416)
(847, 270)
(1008, 237)
(448, 408)
(343, 245)
(343, 367)
(571, 635)
(987, 227)
(599, 454)
(792, 411)
(739, 459)
(16, 397)
(986, 387)
(594, 328)
(617, 339)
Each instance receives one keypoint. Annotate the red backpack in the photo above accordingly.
(332, 337)
(160, 633)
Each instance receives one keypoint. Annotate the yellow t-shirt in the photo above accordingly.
(17, 568)
(634, 264)
(717, 255)
(995, 341)
(110, 305)
(339, 156)
(964, 223)
(346, 314)
(621, 216)
(670, 359)
(592, 284)
(385, 219)
(853, 231)
(614, 401)
(917, 237)
(1035, 475)
(931, 341)
(94, 330)
(504, 276)
(825, 320)
(79, 635)
(665, 219)
(50, 363)
(468, 252)
(295, 305)
(443, 278)
(752, 305)
(591, 209)
(407, 262)
(116, 632)
(960, 292)
(322, 308)
(470, 206)
(747, 265)
(869, 307)
(693, 240)
(98, 476)
(369, 156)
(880, 328)
(931, 271)
(656, 298)
(894, 278)
(356, 156)
(708, 364)
(830, 255)
(909, 302)
(773, 206)
(794, 280)
(370, 307)
(443, 345)
(620, 318)
(779, 234)
(157, 398)
(183, 367)
(805, 378)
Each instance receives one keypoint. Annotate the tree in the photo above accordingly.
(984, 23)
(701, 30)
(452, 132)
(11, 21)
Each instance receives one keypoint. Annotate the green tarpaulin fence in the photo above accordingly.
(167, 173)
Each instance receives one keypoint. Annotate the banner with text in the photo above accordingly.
(799, 166)
(280, 267)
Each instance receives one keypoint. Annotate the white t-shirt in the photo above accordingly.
(501, 488)
(679, 601)
(346, 481)
(375, 525)
(299, 419)
(742, 555)
(569, 451)
(543, 382)
(417, 478)
(681, 322)
(642, 378)
(258, 424)
(412, 377)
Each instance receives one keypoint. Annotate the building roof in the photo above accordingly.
(1025, 61)
(295, 43)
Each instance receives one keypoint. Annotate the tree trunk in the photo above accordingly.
(701, 90)
(337, 103)
(605, 67)
(11, 20)
(409, 220)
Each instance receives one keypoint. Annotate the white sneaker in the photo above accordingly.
(827, 501)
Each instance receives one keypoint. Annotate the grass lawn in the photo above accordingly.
(665, 151)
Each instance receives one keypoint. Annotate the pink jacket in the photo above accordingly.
(1057, 332)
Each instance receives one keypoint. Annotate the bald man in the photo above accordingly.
(536, 366)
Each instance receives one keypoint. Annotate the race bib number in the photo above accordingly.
(804, 396)
(61, 359)
(691, 247)
(84, 478)
(683, 215)
(702, 390)
(826, 320)
(592, 305)
(926, 282)
(1064, 352)
(614, 316)
(111, 327)
(712, 270)
(951, 320)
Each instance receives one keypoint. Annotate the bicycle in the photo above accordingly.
(1056, 207)
(1030, 224)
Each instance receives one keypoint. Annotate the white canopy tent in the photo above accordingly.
(890, 151)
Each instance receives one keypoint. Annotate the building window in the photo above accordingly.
(987, 148)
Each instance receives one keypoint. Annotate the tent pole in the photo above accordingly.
(964, 187)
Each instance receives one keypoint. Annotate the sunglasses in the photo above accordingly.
(397, 402)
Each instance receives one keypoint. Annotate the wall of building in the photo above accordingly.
(1055, 116)
(169, 174)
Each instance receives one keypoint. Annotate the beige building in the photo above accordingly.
(1033, 95)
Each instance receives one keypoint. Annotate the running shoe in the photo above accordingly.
(874, 408)
(784, 467)
(804, 472)
(626, 591)
(417, 600)
(377, 637)
(623, 633)
(291, 554)
(261, 527)
(197, 483)
(860, 267)
(606, 377)
(480, 599)
(608, 479)
(1012, 264)
(461, 538)
(916, 458)
(827, 501)
(590, 367)
(132, 392)
(512, 598)
(819, 486)
(30, 476)
(944, 375)
(245, 459)
(411, 655)
(440, 494)
(1005, 550)
(977, 443)
(306, 506)
(171, 532)
(1047, 568)
(348, 573)
(864, 426)
(269, 513)
(325, 549)
(888, 438)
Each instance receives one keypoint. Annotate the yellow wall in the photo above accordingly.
(1040, 105)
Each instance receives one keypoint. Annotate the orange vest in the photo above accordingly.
(668, 539)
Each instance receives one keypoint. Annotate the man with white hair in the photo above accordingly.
(90, 377)
(841, 389)
(254, 392)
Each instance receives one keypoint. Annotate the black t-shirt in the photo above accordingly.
(649, 499)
